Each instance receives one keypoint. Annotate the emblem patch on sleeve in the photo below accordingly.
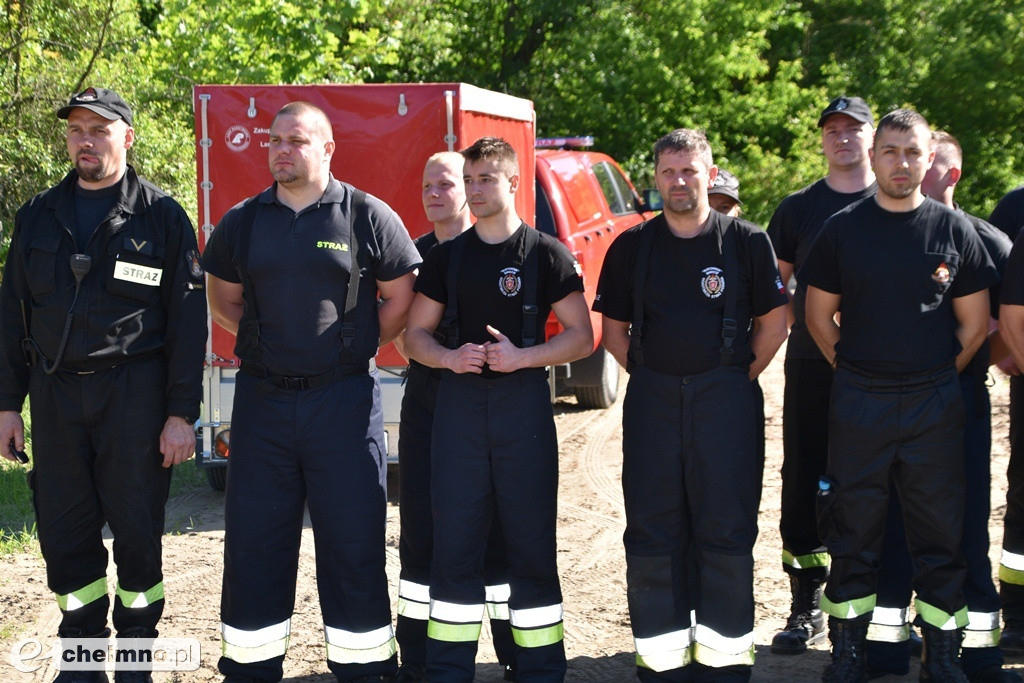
(712, 283)
(195, 270)
(509, 282)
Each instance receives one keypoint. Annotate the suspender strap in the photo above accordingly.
(528, 262)
(640, 266)
(528, 259)
(359, 216)
(727, 246)
(246, 223)
(449, 326)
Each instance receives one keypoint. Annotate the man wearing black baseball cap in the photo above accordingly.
(846, 133)
(724, 194)
(103, 325)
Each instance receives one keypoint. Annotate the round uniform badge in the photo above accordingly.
(509, 282)
(712, 283)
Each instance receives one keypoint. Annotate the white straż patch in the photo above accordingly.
(132, 272)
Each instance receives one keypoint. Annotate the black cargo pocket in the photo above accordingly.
(136, 272)
(40, 265)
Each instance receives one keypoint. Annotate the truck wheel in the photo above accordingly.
(603, 394)
(218, 477)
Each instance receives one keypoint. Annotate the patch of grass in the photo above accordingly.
(186, 477)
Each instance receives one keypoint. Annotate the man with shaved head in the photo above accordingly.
(294, 273)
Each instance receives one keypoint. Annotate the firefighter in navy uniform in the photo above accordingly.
(495, 451)
(846, 124)
(980, 653)
(693, 307)
(912, 279)
(444, 201)
(295, 273)
(103, 326)
(1008, 216)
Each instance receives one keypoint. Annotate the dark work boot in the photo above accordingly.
(940, 656)
(135, 633)
(848, 642)
(1012, 639)
(806, 623)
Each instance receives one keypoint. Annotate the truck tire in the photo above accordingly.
(604, 393)
(218, 477)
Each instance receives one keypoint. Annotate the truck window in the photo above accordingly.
(615, 188)
(545, 219)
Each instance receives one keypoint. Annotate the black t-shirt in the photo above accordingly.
(490, 284)
(424, 242)
(997, 246)
(1012, 292)
(299, 265)
(793, 227)
(91, 208)
(897, 274)
(1008, 215)
(684, 292)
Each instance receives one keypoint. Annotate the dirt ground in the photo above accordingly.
(591, 562)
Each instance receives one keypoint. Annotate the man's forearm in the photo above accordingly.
(391, 314)
(421, 346)
(568, 345)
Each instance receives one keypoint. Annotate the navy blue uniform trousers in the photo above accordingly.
(416, 542)
(691, 482)
(895, 572)
(96, 459)
(906, 433)
(495, 452)
(323, 448)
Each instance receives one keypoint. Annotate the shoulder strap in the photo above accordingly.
(727, 246)
(360, 217)
(246, 224)
(528, 259)
(449, 327)
(640, 265)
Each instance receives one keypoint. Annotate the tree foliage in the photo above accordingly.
(753, 73)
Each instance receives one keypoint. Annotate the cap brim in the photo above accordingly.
(108, 114)
(730, 195)
(856, 117)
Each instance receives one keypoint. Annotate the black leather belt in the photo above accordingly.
(305, 382)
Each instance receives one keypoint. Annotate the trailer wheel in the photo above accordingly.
(603, 394)
(218, 477)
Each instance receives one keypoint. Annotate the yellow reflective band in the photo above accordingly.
(135, 600)
(83, 596)
(246, 647)
(1013, 576)
(665, 652)
(940, 619)
(538, 637)
(411, 609)
(350, 647)
(1014, 561)
(453, 633)
(807, 561)
(708, 656)
(979, 639)
(498, 610)
(850, 609)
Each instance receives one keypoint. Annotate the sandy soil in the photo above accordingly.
(591, 561)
